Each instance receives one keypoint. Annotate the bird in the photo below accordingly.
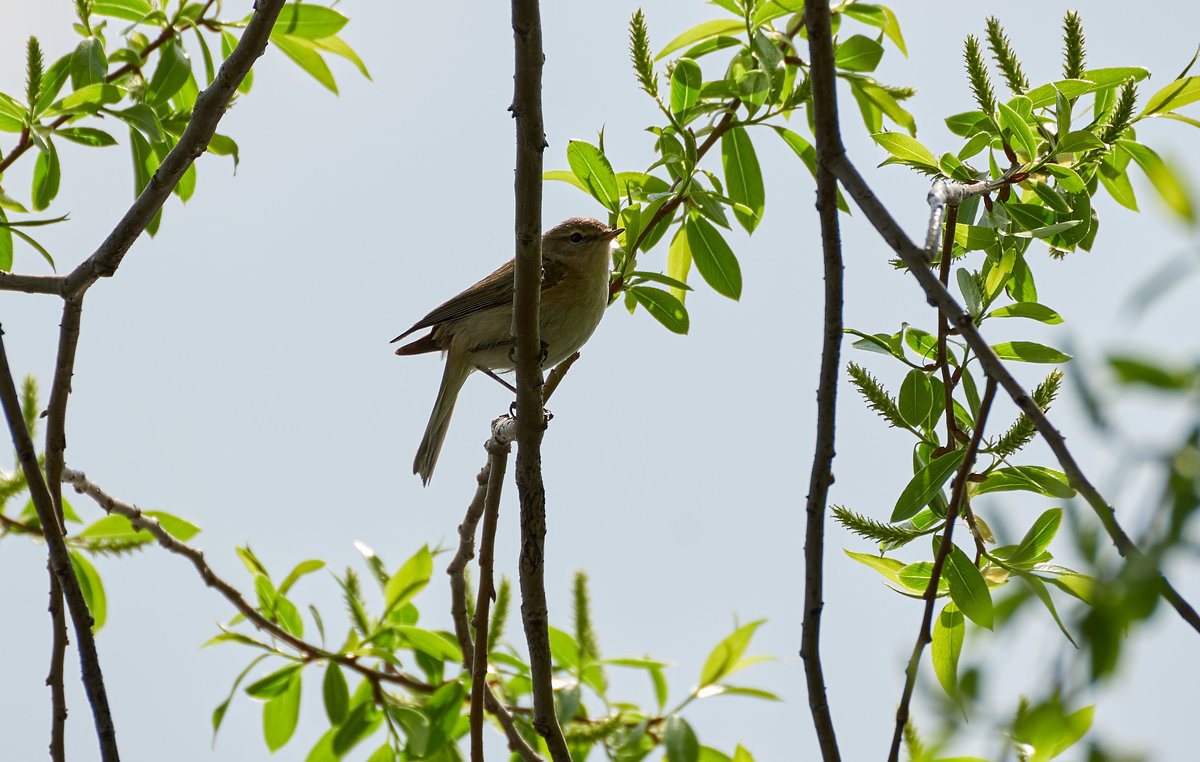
(474, 329)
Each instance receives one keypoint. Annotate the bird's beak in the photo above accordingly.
(612, 234)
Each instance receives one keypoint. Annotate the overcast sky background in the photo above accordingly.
(237, 372)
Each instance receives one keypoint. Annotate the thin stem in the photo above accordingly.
(60, 563)
(497, 459)
(952, 432)
(956, 503)
(58, 653)
(828, 142)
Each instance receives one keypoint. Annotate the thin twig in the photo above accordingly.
(32, 284)
(58, 654)
(957, 499)
(827, 141)
(458, 605)
(952, 432)
(309, 651)
(497, 460)
(940, 297)
(60, 563)
(531, 143)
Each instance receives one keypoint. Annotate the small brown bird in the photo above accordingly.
(474, 329)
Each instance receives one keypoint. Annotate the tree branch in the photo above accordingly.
(531, 142)
(60, 562)
(828, 141)
(497, 461)
(58, 654)
(957, 501)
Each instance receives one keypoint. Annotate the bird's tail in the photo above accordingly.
(453, 377)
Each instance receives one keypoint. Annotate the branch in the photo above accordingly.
(497, 461)
(956, 503)
(32, 284)
(58, 653)
(60, 563)
(531, 142)
(827, 142)
(206, 114)
(458, 600)
(310, 652)
(913, 257)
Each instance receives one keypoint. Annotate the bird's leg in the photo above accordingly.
(502, 382)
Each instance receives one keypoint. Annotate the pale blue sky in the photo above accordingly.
(237, 372)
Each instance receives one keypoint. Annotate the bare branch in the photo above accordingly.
(828, 141)
(60, 563)
(531, 142)
(957, 500)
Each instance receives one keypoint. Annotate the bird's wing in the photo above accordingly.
(496, 290)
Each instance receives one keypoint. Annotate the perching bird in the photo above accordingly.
(474, 329)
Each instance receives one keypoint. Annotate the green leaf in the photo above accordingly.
(1043, 594)
(222, 145)
(563, 175)
(1022, 134)
(743, 177)
(309, 21)
(724, 659)
(700, 32)
(949, 627)
(858, 53)
(304, 53)
(680, 740)
(130, 10)
(336, 694)
(1067, 178)
(289, 616)
(808, 155)
(281, 714)
(1164, 180)
(88, 64)
(52, 82)
(713, 257)
(46, 176)
(889, 567)
(594, 172)
(174, 68)
(1178, 93)
(361, 722)
(907, 150)
(92, 588)
(275, 683)
(1028, 351)
(1078, 142)
(409, 579)
(1043, 481)
(968, 590)
(663, 307)
(1116, 182)
(442, 709)
(916, 398)
(925, 484)
(302, 568)
(337, 46)
(88, 136)
(970, 290)
(228, 43)
(686, 80)
(1031, 310)
(432, 643)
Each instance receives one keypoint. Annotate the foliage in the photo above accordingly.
(392, 675)
(141, 75)
(762, 81)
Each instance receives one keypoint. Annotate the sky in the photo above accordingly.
(237, 372)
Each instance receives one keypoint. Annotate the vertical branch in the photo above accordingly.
(531, 141)
(60, 562)
(829, 143)
(957, 500)
(58, 655)
(497, 462)
(952, 432)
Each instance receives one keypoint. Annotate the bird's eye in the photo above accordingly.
(576, 237)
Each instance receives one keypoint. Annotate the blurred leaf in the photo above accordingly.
(949, 627)
(92, 588)
(409, 579)
(1043, 481)
(680, 740)
(302, 568)
(336, 694)
(46, 176)
(1031, 310)
(275, 683)
(281, 713)
(88, 136)
(1162, 178)
(1178, 93)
